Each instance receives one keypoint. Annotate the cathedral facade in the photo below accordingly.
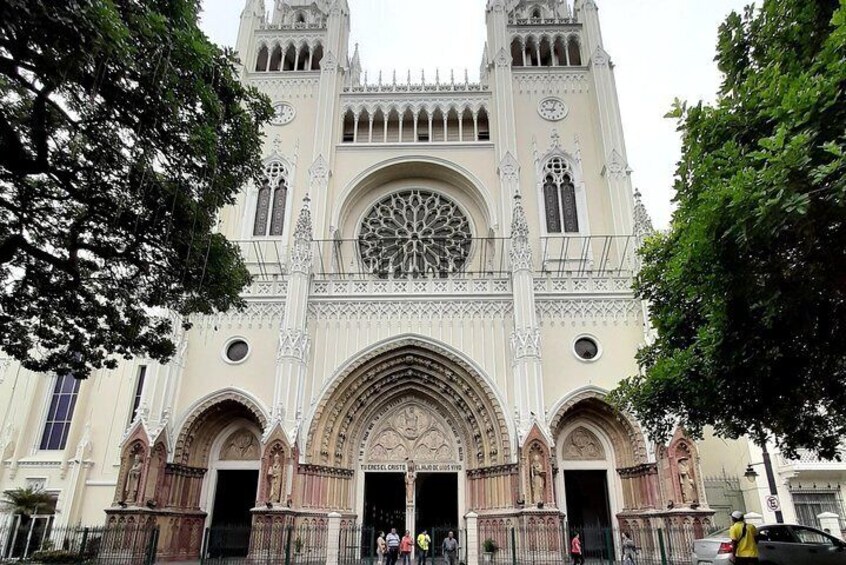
(441, 303)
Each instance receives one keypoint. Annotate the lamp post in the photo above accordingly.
(751, 474)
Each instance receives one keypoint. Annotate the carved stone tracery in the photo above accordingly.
(390, 377)
(241, 445)
(415, 232)
(413, 432)
(583, 445)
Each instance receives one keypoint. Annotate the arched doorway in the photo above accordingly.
(216, 469)
(412, 423)
(231, 488)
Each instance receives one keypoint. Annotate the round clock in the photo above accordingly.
(283, 114)
(552, 109)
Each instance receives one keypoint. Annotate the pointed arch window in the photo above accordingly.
(272, 201)
(559, 197)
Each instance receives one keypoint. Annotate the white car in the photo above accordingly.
(778, 544)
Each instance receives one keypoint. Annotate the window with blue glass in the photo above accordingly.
(60, 413)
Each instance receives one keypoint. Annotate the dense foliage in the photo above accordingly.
(123, 131)
(27, 501)
(748, 288)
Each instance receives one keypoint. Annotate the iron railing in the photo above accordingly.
(388, 258)
(285, 543)
(441, 258)
(36, 539)
(597, 255)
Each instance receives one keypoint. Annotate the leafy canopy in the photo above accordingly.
(748, 288)
(123, 131)
(27, 501)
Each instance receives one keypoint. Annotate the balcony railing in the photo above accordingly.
(439, 258)
(411, 257)
(599, 255)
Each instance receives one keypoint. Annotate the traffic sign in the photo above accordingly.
(773, 503)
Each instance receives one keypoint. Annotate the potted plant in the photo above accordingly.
(489, 547)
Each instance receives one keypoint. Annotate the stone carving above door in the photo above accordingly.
(583, 445)
(411, 432)
(241, 445)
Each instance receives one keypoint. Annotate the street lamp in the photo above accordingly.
(752, 475)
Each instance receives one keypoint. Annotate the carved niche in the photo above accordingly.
(241, 445)
(679, 463)
(275, 466)
(583, 445)
(412, 432)
(133, 468)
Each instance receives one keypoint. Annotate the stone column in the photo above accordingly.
(525, 339)
(472, 525)
(293, 335)
(831, 522)
(333, 539)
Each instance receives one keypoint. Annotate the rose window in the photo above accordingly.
(416, 233)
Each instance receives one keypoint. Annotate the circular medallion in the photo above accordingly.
(283, 114)
(553, 109)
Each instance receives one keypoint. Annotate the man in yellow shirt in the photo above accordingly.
(744, 540)
(423, 541)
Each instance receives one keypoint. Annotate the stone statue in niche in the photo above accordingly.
(537, 472)
(688, 487)
(274, 477)
(410, 477)
(133, 479)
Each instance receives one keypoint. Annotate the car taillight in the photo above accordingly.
(725, 547)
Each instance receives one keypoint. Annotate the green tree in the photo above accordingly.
(123, 131)
(28, 501)
(748, 288)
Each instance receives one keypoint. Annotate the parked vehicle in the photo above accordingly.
(778, 544)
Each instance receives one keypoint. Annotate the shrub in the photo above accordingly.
(490, 546)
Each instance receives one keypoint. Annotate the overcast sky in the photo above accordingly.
(662, 49)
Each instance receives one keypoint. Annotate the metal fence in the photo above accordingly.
(37, 539)
(288, 544)
(550, 544)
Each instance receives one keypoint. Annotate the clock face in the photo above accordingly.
(283, 114)
(552, 109)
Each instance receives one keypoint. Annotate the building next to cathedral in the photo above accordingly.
(442, 300)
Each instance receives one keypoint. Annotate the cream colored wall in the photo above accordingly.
(563, 371)
(206, 371)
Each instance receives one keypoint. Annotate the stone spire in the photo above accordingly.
(302, 253)
(254, 8)
(355, 68)
(642, 222)
(521, 250)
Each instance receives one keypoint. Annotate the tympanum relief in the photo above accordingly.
(583, 445)
(411, 432)
(242, 445)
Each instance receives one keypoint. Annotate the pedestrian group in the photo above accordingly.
(392, 549)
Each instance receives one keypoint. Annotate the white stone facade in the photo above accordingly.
(515, 241)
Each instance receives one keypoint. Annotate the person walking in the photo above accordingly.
(744, 540)
(393, 541)
(576, 550)
(381, 548)
(450, 549)
(406, 545)
(629, 549)
(423, 542)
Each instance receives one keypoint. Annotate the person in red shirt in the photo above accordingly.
(576, 550)
(406, 543)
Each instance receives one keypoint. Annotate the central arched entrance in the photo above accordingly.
(412, 421)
